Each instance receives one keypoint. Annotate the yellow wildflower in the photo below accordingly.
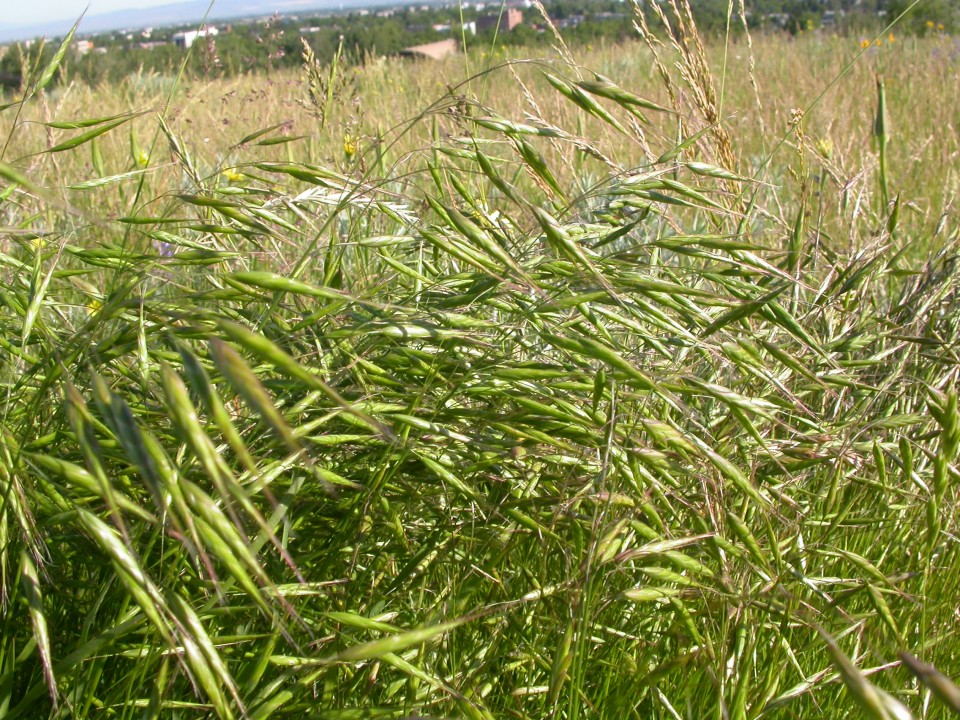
(864, 44)
(891, 39)
(349, 146)
(825, 147)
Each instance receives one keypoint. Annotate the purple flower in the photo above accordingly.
(164, 248)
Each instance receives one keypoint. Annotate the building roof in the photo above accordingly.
(432, 51)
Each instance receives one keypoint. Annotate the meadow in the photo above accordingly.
(618, 383)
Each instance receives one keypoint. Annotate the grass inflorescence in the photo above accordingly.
(545, 393)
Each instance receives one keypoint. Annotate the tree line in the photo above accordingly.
(275, 43)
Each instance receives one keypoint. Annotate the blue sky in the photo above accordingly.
(39, 11)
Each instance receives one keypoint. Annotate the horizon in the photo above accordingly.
(51, 11)
(136, 14)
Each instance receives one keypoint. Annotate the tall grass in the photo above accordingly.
(528, 397)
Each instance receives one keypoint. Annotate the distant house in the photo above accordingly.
(185, 39)
(82, 47)
(779, 20)
(431, 51)
(571, 21)
(501, 22)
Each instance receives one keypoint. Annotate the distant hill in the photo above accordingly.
(191, 11)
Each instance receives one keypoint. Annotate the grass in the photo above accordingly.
(509, 396)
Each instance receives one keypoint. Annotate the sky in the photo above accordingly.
(33, 12)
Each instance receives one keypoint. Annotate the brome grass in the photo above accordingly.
(532, 397)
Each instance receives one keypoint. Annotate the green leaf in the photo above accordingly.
(38, 618)
(47, 75)
(87, 136)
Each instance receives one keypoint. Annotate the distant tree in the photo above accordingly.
(927, 17)
(272, 44)
(11, 66)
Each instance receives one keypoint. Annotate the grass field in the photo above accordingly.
(487, 389)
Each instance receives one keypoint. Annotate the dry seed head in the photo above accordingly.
(653, 44)
(561, 46)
